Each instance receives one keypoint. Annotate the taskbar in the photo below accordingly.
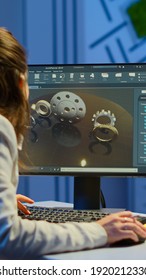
(99, 170)
(79, 170)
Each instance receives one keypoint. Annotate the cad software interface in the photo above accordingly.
(86, 119)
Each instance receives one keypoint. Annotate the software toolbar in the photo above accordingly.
(81, 75)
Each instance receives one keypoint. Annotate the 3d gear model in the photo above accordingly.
(68, 107)
(104, 129)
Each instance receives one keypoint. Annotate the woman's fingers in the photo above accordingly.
(20, 205)
(24, 198)
(23, 208)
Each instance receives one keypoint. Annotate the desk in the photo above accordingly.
(135, 252)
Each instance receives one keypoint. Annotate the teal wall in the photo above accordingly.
(77, 31)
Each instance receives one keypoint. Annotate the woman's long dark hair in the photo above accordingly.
(13, 102)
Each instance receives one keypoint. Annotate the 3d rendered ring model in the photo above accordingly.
(42, 108)
(104, 129)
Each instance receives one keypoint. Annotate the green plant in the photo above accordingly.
(137, 14)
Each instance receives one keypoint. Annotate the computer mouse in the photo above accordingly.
(127, 242)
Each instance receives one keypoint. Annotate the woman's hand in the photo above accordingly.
(122, 225)
(20, 205)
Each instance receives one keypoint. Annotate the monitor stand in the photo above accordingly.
(87, 193)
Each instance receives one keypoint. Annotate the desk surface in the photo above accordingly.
(135, 252)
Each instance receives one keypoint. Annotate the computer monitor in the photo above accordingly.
(87, 121)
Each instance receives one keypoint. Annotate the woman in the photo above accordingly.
(29, 239)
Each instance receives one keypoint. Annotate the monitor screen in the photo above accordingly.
(86, 119)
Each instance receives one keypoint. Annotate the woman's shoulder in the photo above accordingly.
(5, 125)
(7, 131)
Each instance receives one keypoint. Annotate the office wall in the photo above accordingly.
(76, 31)
(72, 31)
(57, 29)
(12, 16)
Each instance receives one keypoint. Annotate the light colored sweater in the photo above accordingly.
(24, 239)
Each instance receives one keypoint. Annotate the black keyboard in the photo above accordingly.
(62, 215)
(141, 219)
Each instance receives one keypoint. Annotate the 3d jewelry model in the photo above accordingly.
(104, 129)
(42, 108)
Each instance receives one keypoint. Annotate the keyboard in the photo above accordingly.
(62, 215)
(141, 219)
